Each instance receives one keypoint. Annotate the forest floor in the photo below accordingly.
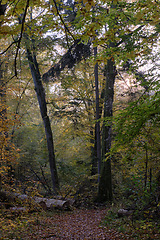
(77, 224)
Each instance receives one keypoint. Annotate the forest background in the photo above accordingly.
(80, 100)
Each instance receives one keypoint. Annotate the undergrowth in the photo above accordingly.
(136, 226)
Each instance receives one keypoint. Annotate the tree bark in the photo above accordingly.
(94, 161)
(2, 89)
(43, 110)
(8, 199)
(1, 119)
(2, 8)
(146, 168)
(97, 128)
(105, 184)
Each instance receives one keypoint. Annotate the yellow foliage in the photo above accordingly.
(8, 152)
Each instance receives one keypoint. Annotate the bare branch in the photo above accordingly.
(66, 28)
(20, 38)
(9, 47)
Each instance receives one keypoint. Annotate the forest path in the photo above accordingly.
(78, 224)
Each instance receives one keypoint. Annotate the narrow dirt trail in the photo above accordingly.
(78, 225)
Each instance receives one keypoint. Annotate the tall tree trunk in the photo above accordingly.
(97, 128)
(94, 149)
(1, 118)
(43, 109)
(105, 184)
(3, 110)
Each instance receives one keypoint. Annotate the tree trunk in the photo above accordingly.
(105, 184)
(2, 90)
(43, 110)
(93, 152)
(8, 199)
(1, 119)
(97, 128)
(146, 169)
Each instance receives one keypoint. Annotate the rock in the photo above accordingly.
(124, 212)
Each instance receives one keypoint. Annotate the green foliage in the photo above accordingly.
(140, 117)
(126, 228)
(133, 29)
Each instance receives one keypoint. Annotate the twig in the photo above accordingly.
(9, 47)
(15, 6)
(17, 107)
(66, 28)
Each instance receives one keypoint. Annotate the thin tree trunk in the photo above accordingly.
(105, 184)
(4, 148)
(150, 179)
(43, 110)
(97, 128)
(93, 152)
(1, 119)
(146, 169)
(3, 111)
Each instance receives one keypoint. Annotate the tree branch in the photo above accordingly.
(9, 47)
(74, 55)
(66, 28)
(20, 38)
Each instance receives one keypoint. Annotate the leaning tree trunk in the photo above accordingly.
(105, 184)
(43, 109)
